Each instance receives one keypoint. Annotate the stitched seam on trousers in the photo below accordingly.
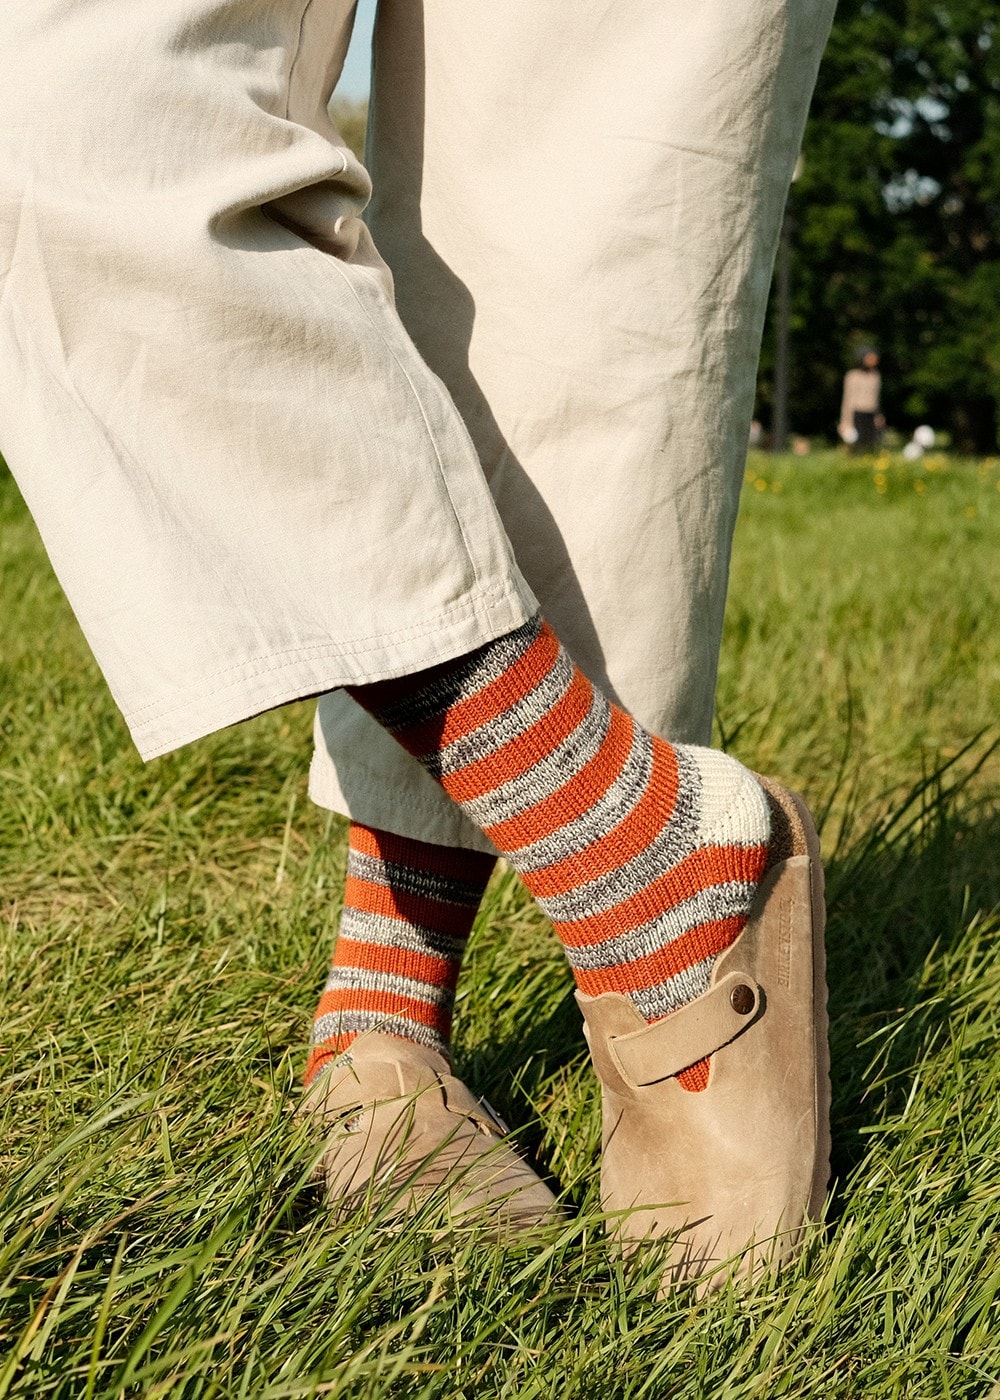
(153, 711)
(348, 649)
(423, 414)
(260, 670)
(295, 58)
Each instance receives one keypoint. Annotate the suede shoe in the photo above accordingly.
(402, 1125)
(729, 1174)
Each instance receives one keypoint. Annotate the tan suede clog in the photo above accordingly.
(401, 1124)
(733, 1172)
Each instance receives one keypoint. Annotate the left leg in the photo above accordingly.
(587, 270)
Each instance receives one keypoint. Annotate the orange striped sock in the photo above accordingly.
(644, 854)
(409, 907)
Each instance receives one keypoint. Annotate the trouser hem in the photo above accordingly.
(266, 681)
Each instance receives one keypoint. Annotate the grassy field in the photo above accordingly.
(165, 930)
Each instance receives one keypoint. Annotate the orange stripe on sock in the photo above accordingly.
(622, 843)
(452, 862)
(695, 1078)
(701, 942)
(321, 1055)
(468, 715)
(346, 999)
(394, 962)
(712, 865)
(575, 797)
(514, 759)
(371, 898)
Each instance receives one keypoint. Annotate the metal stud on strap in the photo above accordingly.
(663, 1049)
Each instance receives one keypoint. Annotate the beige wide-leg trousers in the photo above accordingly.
(260, 477)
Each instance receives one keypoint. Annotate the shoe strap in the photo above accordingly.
(664, 1048)
(460, 1099)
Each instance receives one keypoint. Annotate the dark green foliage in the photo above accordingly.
(896, 219)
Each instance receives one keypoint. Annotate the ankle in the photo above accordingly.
(408, 909)
(322, 1056)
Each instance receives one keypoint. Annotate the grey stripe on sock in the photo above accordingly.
(360, 979)
(674, 842)
(341, 1023)
(464, 678)
(406, 879)
(676, 992)
(508, 725)
(729, 901)
(549, 773)
(616, 803)
(364, 927)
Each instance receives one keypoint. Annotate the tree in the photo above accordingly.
(896, 219)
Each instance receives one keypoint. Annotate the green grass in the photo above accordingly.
(165, 930)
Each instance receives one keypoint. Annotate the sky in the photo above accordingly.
(355, 77)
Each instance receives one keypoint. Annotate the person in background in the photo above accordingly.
(861, 422)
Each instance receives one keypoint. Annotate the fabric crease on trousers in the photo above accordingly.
(268, 460)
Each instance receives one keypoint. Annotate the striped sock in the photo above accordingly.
(408, 910)
(645, 855)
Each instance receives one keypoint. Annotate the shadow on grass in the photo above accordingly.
(900, 895)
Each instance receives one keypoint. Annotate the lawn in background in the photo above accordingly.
(165, 930)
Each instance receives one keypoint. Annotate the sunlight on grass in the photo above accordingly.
(166, 929)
